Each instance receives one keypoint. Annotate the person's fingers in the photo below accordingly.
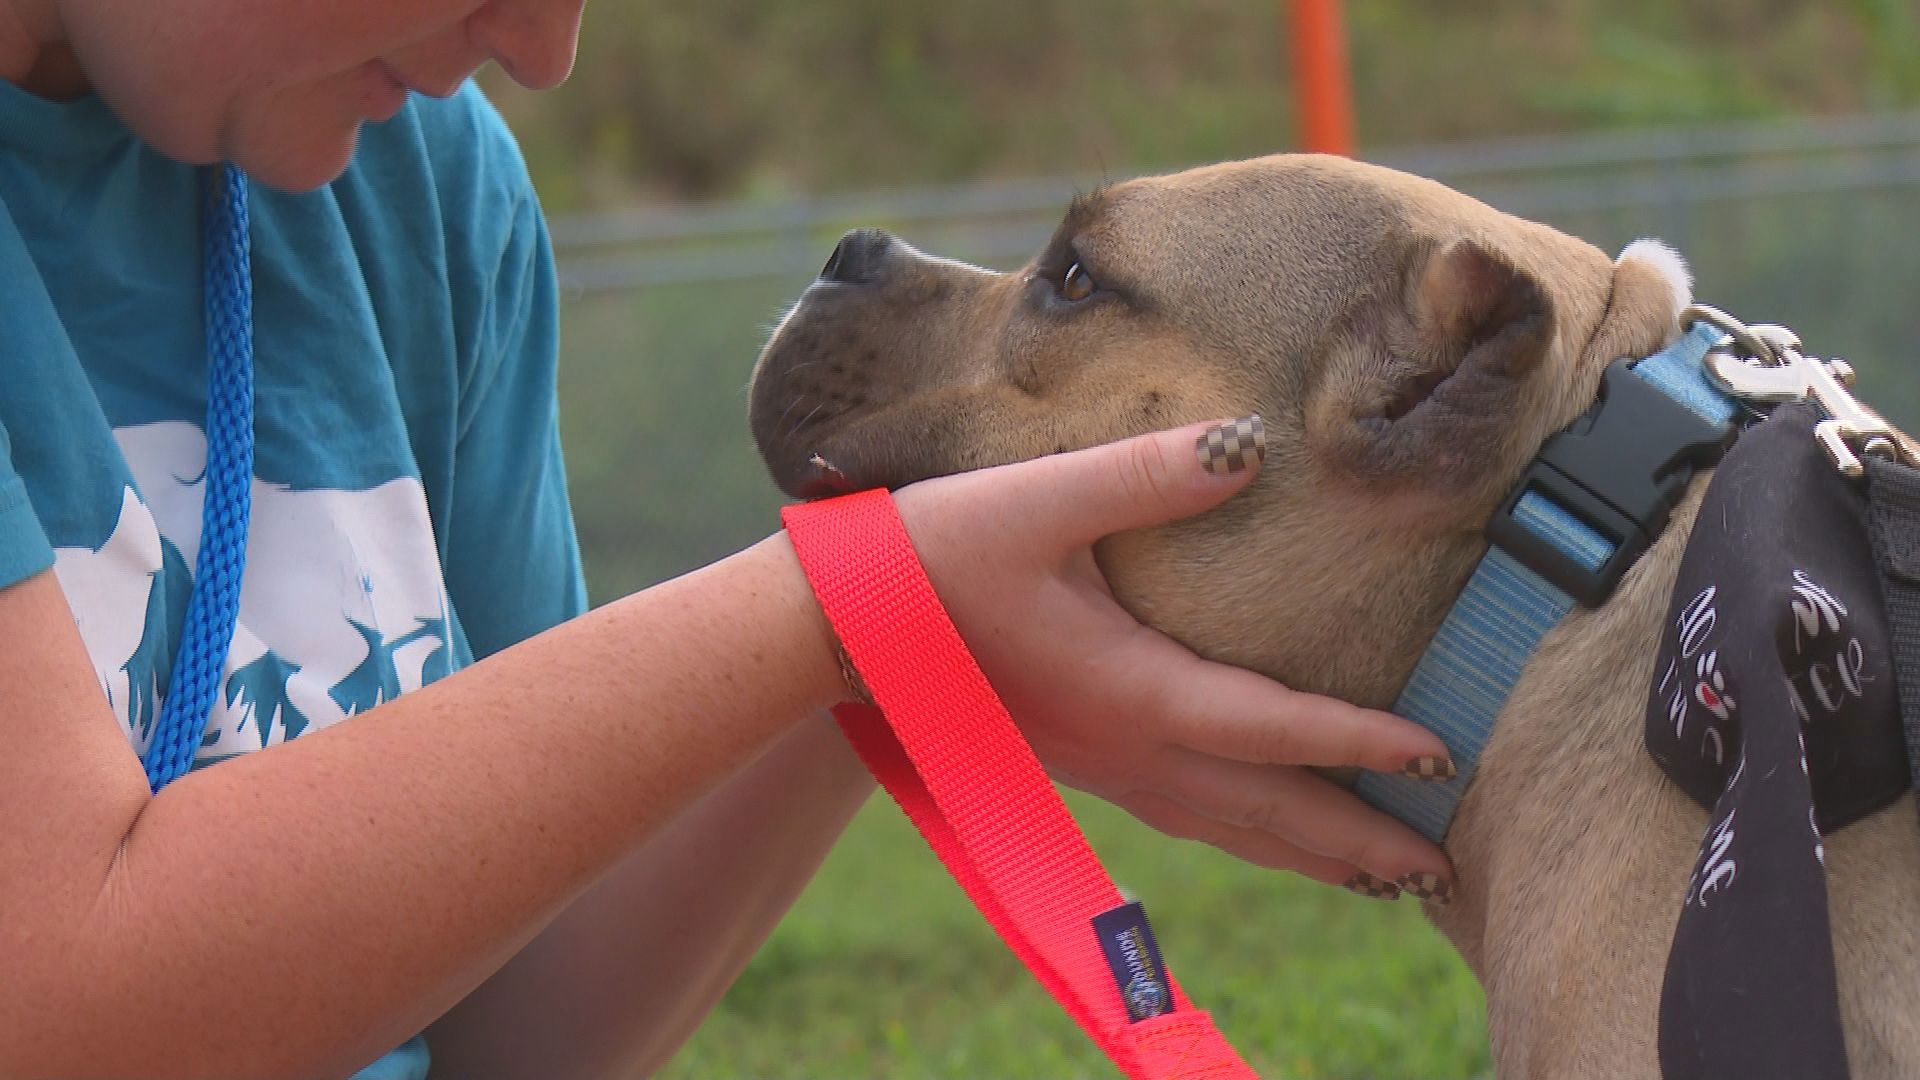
(1259, 848)
(1309, 811)
(1081, 496)
(1234, 713)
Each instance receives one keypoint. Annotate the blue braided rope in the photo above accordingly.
(214, 606)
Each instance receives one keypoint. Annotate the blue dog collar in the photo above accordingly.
(1585, 510)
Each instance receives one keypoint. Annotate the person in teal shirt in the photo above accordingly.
(435, 794)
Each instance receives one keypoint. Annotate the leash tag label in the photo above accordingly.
(1134, 958)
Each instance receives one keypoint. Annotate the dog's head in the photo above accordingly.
(1408, 346)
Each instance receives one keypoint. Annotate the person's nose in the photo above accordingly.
(532, 40)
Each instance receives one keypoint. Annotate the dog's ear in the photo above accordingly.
(1431, 380)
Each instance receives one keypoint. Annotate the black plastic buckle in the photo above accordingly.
(1620, 468)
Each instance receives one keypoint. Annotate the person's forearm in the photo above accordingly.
(352, 885)
(622, 978)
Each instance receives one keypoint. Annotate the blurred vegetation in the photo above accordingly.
(748, 98)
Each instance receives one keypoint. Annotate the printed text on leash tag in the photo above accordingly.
(1134, 958)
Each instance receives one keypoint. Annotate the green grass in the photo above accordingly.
(884, 970)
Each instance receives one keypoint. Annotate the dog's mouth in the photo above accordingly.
(873, 378)
(823, 480)
(829, 450)
(800, 395)
(821, 405)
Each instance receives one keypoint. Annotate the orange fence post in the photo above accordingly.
(1323, 88)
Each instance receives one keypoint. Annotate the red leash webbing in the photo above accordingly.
(958, 766)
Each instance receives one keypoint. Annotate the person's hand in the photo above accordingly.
(1198, 750)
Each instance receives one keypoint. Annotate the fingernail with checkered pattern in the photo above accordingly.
(1369, 886)
(1436, 767)
(1230, 447)
(1429, 887)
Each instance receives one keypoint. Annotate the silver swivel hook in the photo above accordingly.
(1763, 364)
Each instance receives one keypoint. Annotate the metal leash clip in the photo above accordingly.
(1762, 364)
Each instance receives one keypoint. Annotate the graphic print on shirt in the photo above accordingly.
(104, 587)
(341, 608)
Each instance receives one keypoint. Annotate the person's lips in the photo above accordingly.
(429, 85)
(387, 92)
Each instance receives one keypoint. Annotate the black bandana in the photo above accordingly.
(1776, 632)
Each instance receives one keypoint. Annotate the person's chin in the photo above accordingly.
(301, 159)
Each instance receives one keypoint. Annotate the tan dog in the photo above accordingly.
(1410, 348)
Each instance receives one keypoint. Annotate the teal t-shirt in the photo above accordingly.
(409, 502)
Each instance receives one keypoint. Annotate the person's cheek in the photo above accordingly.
(167, 68)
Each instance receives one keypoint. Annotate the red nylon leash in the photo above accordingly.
(944, 747)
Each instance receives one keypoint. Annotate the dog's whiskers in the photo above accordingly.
(796, 400)
(811, 413)
(787, 435)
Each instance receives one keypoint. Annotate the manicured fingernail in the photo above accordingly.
(1369, 886)
(1429, 887)
(1232, 446)
(1432, 767)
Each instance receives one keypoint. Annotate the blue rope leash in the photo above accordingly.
(214, 606)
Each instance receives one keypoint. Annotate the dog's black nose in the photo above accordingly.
(857, 257)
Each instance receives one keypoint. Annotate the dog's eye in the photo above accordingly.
(1076, 283)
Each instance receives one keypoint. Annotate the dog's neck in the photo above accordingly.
(1594, 500)
(1573, 850)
